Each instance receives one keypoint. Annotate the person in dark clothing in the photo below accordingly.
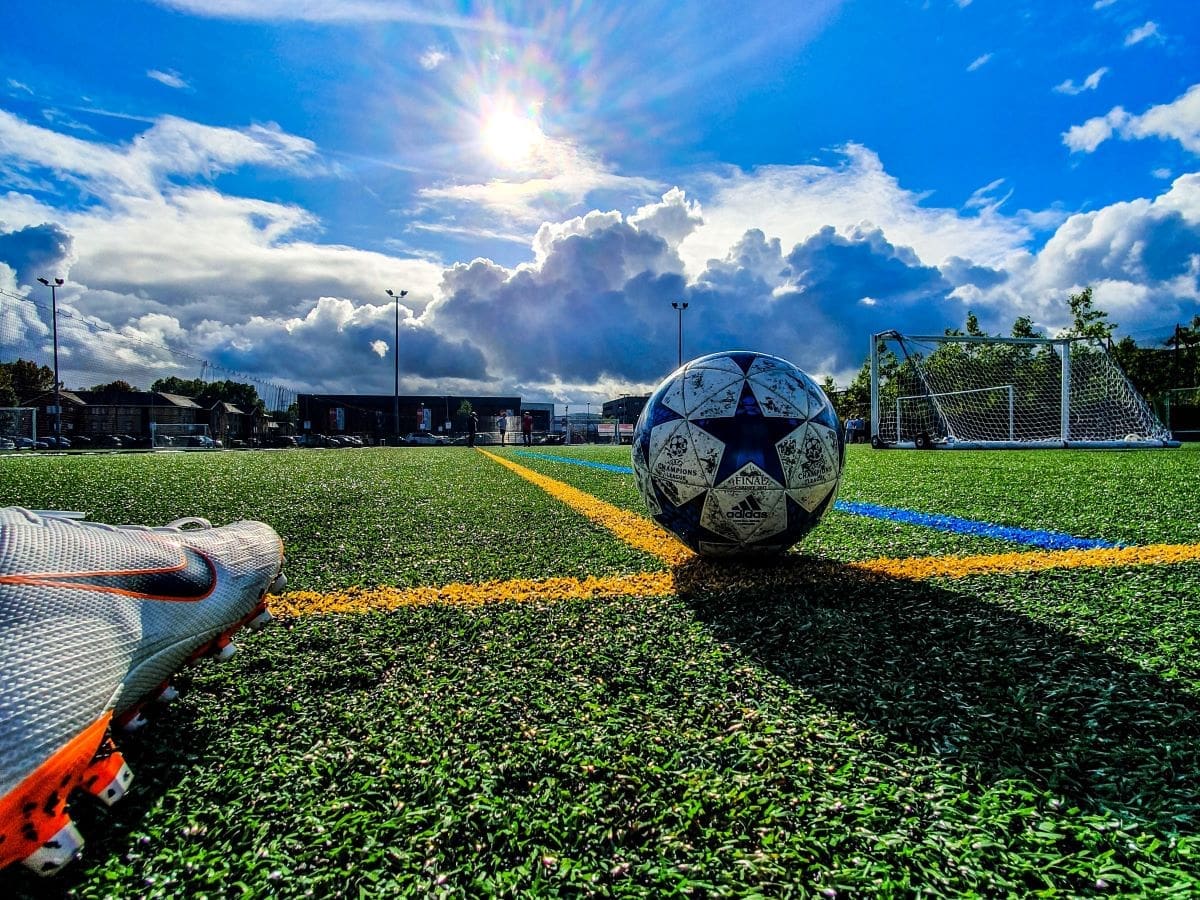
(472, 427)
(527, 428)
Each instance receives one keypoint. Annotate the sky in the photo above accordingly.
(246, 179)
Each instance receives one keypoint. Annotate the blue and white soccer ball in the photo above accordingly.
(738, 453)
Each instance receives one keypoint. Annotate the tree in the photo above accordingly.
(8, 397)
(119, 386)
(209, 393)
(1023, 328)
(1089, 322)
(29, 381)
(184, 387)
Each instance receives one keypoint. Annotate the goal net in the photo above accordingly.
(968, 392)
(181, 435)
(17, 422)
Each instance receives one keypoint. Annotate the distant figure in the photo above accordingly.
(472, 427)
(502, 424)
(527, 428)
(420, 419)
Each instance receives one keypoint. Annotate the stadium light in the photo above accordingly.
(680, 307)
(57, 283)
(396, 358)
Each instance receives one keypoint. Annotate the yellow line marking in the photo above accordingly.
(645, 584)
(635, 530)
(703, 574)
(920, 568)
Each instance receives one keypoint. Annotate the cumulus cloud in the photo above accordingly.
(1178, 120)
(802, 261)
(187, 249)
(794, 202)
(1089, 84)
(36, 251)
(1141, 33)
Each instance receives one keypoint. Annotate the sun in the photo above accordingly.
(511, 138)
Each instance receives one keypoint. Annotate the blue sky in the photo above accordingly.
(246, 177)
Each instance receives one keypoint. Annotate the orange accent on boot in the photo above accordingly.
(103, 770)
(33, 811)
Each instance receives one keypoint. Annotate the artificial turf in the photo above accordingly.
(801, 729)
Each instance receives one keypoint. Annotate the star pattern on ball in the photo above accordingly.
(749, 436)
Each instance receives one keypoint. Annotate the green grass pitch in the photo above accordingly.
(841, 735)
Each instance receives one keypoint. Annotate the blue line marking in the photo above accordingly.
(607, 467)
(1047, 540)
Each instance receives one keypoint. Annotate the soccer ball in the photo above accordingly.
(738, 453)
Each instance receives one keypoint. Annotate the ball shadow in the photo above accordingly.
(973, 683)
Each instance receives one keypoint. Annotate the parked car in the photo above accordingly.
(58, 443)
(7, 444)
(424, 439)
(28, 443)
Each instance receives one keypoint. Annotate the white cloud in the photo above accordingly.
(332, 11)
(433, 57)
(558, 176)
(171, 147)
(171, 79)
(1141, 33)
(1103, 4)
(795, 202)
(803, 261)
(1089, 84)
(1178, 120)
(19, 86)
(979, 62)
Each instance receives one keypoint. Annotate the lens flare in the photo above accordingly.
(512, 138)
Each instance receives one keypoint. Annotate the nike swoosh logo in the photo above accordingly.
(193, 579)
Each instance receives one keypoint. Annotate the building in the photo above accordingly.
(95, 414)
(625, 409)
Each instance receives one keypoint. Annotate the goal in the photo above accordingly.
(183, 435)
(17, 423)
(970, 392)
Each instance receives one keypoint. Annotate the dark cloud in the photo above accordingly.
(36, 251)
(599, 305)
(331, 349)
(959, 271)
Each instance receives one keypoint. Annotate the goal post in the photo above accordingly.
(183, 435)
(976, 392)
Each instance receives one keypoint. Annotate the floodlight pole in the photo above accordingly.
(396, 361)
(53, 285)
(680, 307)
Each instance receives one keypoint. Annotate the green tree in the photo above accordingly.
(29, 381)
(1088, 321)
(184, 387)
(120, 386)
(8, 397)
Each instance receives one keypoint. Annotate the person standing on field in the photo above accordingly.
(502, 424)
(472, 427)
(527, 429)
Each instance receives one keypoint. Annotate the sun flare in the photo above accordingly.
(511, 138)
